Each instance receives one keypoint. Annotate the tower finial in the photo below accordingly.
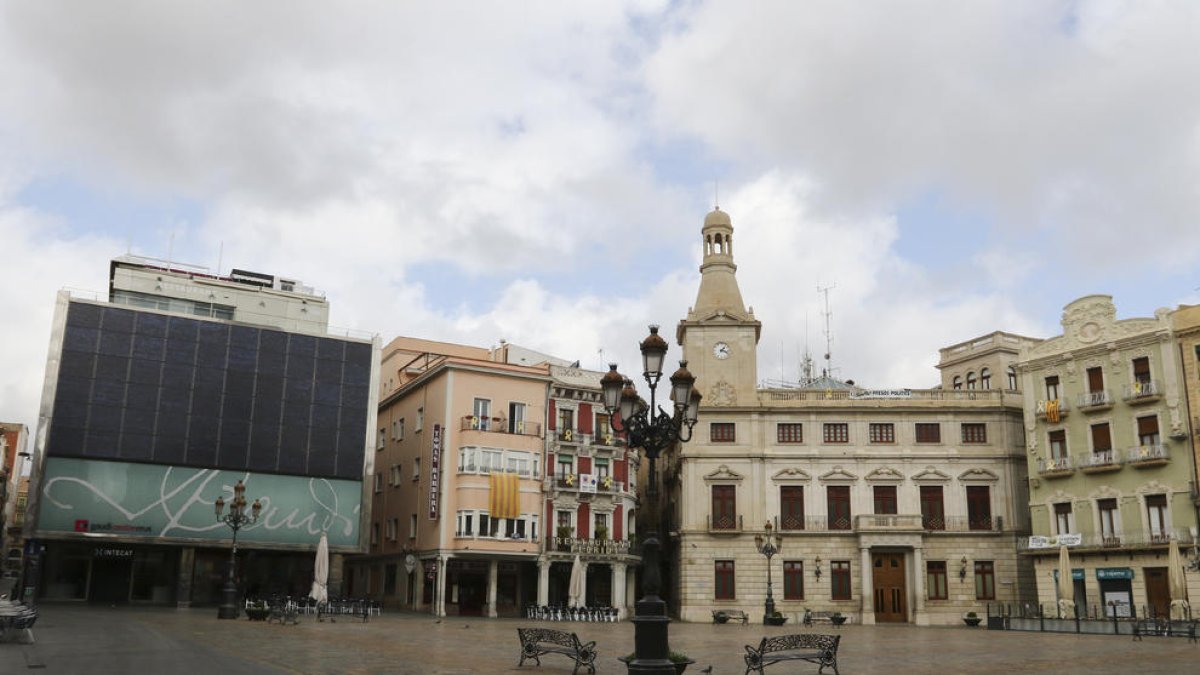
(717, 194)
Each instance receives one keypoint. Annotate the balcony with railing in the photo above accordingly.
(1052, 410)
(1094, 401)
(1144, 456)
(724, 524)
(887, 522)
(569, 437)
(1143, 391)
(1101, 461)
(1055, 467)
(500, 425)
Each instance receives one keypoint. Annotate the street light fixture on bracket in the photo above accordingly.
(649, 427)
(769, 546)
(236, 519)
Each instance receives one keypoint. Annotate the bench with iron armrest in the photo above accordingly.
(730, 615)
(538, 641)
(1164, 628)
(812, 647)
(834, 618)
(21, 621)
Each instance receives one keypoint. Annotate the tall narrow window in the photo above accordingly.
(1141, 370)
(1108, 522)
(724, 507)
(1064, 518)
(1012, 378)
(604, 433)
(971, 380)
(979, 507)
(929, 432)
(724, 586)
(985, 580)
(933, 514)
(838, 502)
(793, 580)
(1156, 511)
(885, 499)
(1058, 444)
(935, 579)
(1052, 388)
(985, 379)
(1101, 439)
(1095, 379)
(839, 579)
(836, 432)
(791, 507)
(516, 418)
(481, 413)
(958, 382)
(1147, 428)
(566, 424)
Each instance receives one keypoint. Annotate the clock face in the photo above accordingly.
(721, 350)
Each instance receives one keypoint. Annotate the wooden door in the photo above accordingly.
(1158, 591)
(891, 589)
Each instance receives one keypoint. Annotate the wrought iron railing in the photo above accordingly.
(1094, 399)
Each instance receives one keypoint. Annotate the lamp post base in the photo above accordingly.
(228, 608)
(650, 638)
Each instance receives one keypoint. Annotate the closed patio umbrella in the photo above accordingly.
(1177, 582)
(1066, 584)
(575, 588)
(320, 591)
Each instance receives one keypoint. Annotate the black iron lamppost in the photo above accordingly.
(236, 519)
(652, 429)
(768, 547)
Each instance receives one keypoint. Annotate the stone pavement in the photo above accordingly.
(134, 641)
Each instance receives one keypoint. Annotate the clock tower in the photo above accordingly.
(720, 336)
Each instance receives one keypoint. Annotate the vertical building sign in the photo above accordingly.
(435, 472)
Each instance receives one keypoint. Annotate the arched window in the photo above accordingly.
(971, 380)
(1012, 378)
(985, 379)
(957, 382)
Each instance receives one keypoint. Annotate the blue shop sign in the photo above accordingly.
(1076, 574)
(1106, 573)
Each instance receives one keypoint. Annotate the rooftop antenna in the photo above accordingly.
(828, 330)
(806, 363)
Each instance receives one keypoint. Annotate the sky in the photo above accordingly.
(539, 172)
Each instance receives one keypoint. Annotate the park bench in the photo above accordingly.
(538, 641)
(834, 618)
(20, 621)
(729, 615)
(811, 647)
(1164, 628)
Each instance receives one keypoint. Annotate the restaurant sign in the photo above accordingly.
(1055, 540)
(435, 472)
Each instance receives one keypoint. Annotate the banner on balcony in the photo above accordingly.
(1056, 540)
(587, 482)
(505, 499)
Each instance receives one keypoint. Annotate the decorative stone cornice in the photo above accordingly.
(838, 474)
(978, 474)
(724, 473)
(791, 475)
(885, 474)
(931, 475)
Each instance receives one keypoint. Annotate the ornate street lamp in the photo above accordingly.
(649, 427)
(236, 519)
(769, 548)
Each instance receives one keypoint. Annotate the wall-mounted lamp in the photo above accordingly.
(817, 567)
(962, 571)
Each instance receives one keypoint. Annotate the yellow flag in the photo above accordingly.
(504, 501)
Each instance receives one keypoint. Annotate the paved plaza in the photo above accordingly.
(95, 640)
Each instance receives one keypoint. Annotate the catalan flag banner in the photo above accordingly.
(1053, 412)
(505, 501)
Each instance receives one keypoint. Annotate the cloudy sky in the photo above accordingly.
(539, 171)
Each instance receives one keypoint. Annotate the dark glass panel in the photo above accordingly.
(302, 345)
(100, 443)
(112, 368)
(181, 330)
(108, 392)
(66, 441)
(77, 364)
(118, 320)
(115, 344)
(84, 315)
(145, 372)
(148, 348)
(69, 414)
(328, 393)
(355, 397)
(137, 447)
(81, 339)
(328, 348)
(178, 375)
(329, 371)
(138, 422)
(151, 325)
(74, 389)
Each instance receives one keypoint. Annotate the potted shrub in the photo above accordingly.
(972, 619)
(602, 533)
(775, 619)
(681, 661)
(721, 617)
(257, 610)
(837, 618)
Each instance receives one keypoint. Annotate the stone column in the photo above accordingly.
(543, 591)
(439, 589)
(919, 616)
(583, 586)
(493, 576)
(618, 589)
(868, 588)
(183, 579)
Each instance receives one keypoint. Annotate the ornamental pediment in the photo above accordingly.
(791, 474)
(931, 475)
(885, 474)
(838, 474)
(723, 473)
(978, 475)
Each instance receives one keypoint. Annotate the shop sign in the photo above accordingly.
(435, 472)
(110, 552)
(1104, 573)
(1076, 574)
(881, 393)
(89, 498)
